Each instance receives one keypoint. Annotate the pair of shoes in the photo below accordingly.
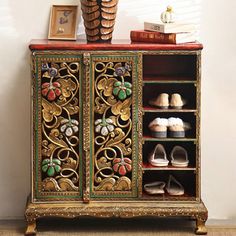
(178, 156)
(162, 101)
(177, 127)
(173, 187)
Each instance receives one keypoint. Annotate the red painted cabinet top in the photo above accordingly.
(44, 44)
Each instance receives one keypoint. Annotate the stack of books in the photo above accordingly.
(169, 33)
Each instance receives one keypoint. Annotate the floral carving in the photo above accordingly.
(51, 90)
(50, 110)
(69, 127)
(106, 85)
(67, 87)
(51, 166)
(122, 109)
(122, 89)
(122, 70)
(112, 126)
(122, 165)
(104, 126)
(44, 67)
(60, 125)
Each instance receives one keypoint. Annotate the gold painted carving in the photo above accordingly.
(112, 126)
(86, 128)
(59, 163)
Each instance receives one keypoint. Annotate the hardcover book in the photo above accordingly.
(169, 27)
(156, 37)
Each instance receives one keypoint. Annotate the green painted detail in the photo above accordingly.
(128, 91)
(51, 167)
(51, 171)
(80, 130)
(117, 83)
(36, 127)
(128, 85)
(122, 94)
(116, 91)
(122, 89)
(136, 121)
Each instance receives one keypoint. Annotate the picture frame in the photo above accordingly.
(63, 22)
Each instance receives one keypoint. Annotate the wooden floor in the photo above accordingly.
(113, 227)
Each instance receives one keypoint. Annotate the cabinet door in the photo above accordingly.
(113, 126)
(57, 133)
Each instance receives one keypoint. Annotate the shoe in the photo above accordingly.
(174, 187)
(158, 156)
(179, 157)
(155, 187)
(176, 127)
(162, 101)
(158, 127)
(176, 101)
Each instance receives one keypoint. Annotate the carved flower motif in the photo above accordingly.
(44, 67)
(52, 71)
(69, 127)
(122, 165)
(106, 85)
(51, 166)
(67, 87)
(122, 70)
(104, 126)
(50, 110)
(122, 109)
(51, 90)
(122, 89)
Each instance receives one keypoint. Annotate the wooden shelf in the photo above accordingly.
(156, 109)
(167, 197)
(148, 166)
(152, 79)
(150, 138)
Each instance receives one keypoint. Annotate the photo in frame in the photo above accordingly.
(63, 22)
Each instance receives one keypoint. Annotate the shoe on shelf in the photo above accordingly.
(158, 156)
(158, 127)
(155, 187)
(176, 101)
(179, 157)
(177, 127)
(174, 187)
(162, 101)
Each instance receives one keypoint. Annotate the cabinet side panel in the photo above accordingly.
(57, 139)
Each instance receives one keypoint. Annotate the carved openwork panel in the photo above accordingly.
(114, 111)
(58, 134)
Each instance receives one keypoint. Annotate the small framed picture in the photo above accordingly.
(63, 22)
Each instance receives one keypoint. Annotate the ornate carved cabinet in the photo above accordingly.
(90, 135)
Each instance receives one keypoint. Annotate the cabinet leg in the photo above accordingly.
(31, 228)
(200, 227)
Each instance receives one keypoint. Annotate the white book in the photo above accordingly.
(188, 37)
(169, 28)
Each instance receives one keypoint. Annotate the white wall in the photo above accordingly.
(21, 21)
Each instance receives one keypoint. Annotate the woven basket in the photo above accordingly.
(99, 19)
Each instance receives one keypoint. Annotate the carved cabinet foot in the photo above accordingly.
(200, 227)
(31, 228)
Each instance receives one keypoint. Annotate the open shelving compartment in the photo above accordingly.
(171, 73)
